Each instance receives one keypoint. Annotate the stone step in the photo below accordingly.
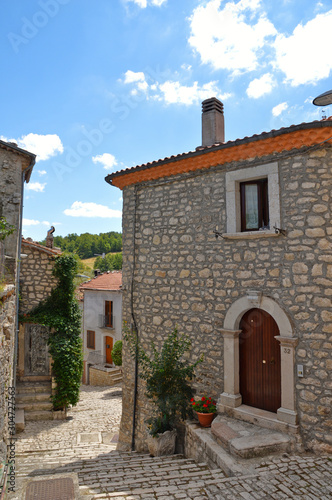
(34, 406)
(38, 415)
(33, 387)
(35, 378)
(30, 397)
(123, 474)
(245, 440)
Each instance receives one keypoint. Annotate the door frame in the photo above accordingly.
(231, 396)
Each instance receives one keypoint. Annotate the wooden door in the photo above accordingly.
(36, 357)
(260, 372)
(109, 349)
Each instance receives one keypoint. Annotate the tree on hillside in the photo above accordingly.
(87, 245)
(110, 262)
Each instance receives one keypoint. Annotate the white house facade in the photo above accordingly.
(102, 318)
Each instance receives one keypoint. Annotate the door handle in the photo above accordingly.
(264, 362)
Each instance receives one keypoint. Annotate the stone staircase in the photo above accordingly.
(119, 475)
(116, 376)
(33, 401)
(237, 446)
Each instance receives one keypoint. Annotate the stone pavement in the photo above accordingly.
(84, 446)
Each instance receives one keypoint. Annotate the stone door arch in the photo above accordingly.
(231, 396)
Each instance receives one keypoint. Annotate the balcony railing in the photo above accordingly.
(106, 321)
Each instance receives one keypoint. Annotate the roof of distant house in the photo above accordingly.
(41, 248)
(111, 280)
(29, 158)
(286, 139)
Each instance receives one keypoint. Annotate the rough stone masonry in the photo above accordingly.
(182, 275)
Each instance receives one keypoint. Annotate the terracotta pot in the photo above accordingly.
(205, 419)
(163, 444)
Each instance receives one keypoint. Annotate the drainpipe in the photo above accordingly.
(134, 325)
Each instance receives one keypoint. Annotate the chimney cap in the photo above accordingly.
(212, 104)
(213, 127)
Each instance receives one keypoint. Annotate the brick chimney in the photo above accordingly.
(213, 127)
(49, 237)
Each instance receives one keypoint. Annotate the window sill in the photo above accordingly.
(250, 235)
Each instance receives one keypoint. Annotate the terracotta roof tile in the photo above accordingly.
(41, 248)
(111, 280)
(256, 146)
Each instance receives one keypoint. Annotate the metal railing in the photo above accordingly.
(106, 321)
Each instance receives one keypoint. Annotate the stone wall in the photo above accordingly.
(183, 275)
(36, 279)
(10, 205)
(102, 376)
(7, 340)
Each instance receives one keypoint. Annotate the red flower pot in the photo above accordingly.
(205, 419)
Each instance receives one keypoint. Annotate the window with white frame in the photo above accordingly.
(253, 200)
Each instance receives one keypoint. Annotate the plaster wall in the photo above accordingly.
(93, 308)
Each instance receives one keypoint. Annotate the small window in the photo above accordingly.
(108, 314)
(90, 343)
(254, 205)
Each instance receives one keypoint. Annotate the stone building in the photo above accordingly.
(15, 168)
(102, 325)
(232, 243)
(36, 279)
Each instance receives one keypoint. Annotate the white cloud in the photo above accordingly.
(44, 146)
(42, 172)
(107, 160)
(260, 86)
(144, 3)
(81, 209)
(30, 222)
(306, 56)
(277, 110)
(35, 186)
(175, 93)
(134, 76)
(137, 78)
(232, 36)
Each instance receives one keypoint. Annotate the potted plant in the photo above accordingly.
(205, 409)
(167, 376)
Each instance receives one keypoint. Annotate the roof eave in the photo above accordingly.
(217, 147)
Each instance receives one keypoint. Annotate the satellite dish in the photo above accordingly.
(323, 99)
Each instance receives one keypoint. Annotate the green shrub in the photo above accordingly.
(117, 353)
(61, 312)
(167, 378)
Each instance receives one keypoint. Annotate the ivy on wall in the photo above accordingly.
(61, 312)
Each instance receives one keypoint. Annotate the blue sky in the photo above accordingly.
(95, 87)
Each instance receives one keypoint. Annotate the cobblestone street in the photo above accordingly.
(84, 447)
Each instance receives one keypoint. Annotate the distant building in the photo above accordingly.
(102, 319)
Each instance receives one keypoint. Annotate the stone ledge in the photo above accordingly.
(250, 235)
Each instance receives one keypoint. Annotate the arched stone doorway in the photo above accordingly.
(231, 397)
